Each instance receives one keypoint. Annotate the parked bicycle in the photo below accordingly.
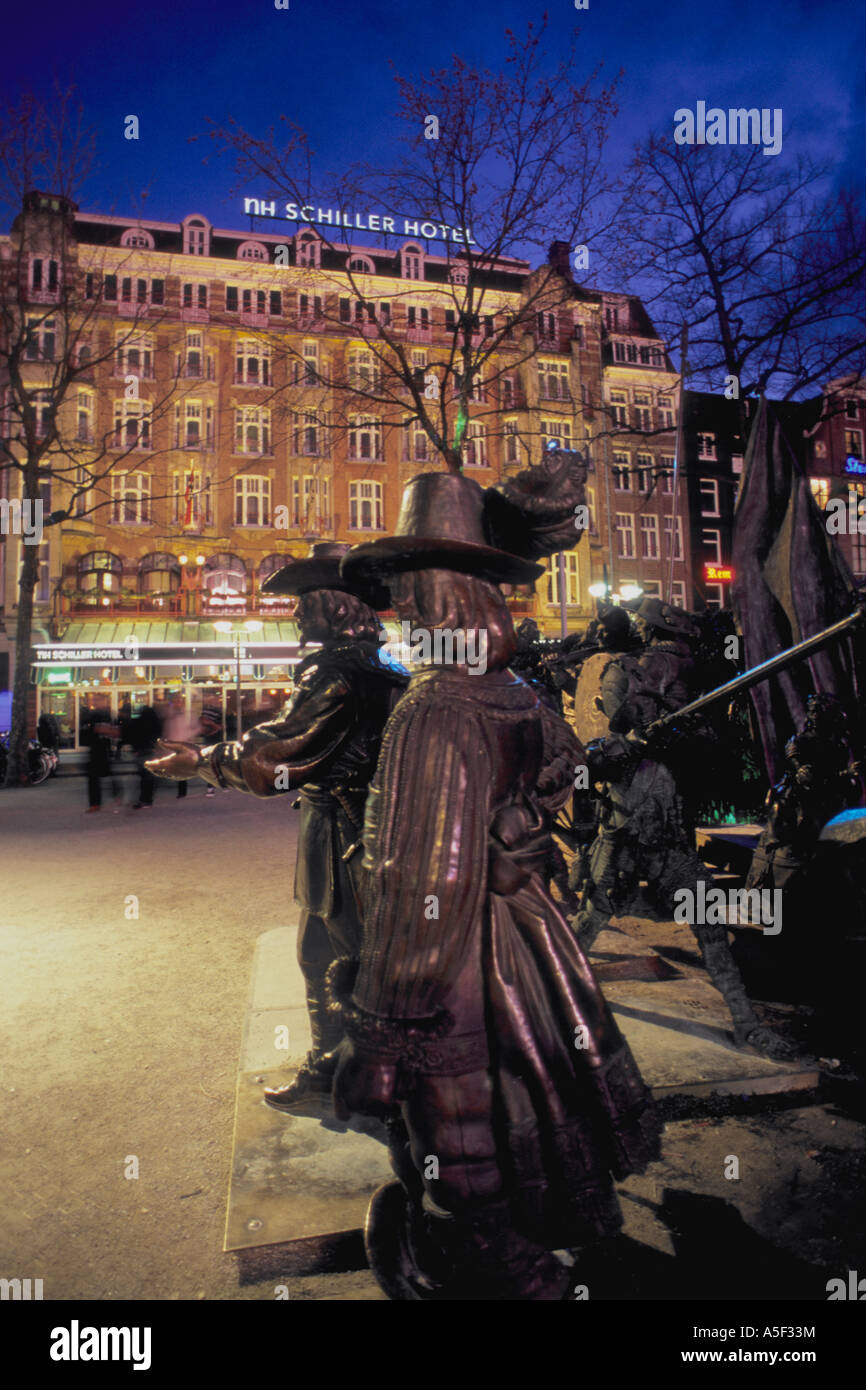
(42, 761)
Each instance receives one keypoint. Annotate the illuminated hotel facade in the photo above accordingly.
(228, 408)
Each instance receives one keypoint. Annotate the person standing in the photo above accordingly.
(145, 733)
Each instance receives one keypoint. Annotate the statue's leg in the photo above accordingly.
(313, 1082)
(458, 1239)
(684, 869)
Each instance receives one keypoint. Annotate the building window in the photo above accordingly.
(666, 413)
(547, 327)
(362, 264)
(412, 262)
(556, 432)
(709, 497)
(366, 508)
(706, 446)
(225, 578)
(714, 596)
(252, 363)
(415, 442)
(130, 499)
(82, 491)
(252, 251)
(195, 365)
(137, 238)
(625, 535)
(364, 371)
(642, 414)
(678, 552)
(84, 417)
(158, 573)
(621, 472)
(44, 276)
(851, 410)
(512, 442)
(252, 501)
(133, 356)
(194, 296)
(711, 540)
(252, 430)
(193, 425)
(644, 472)
(572, 579)
(99, 572)
(43, 404)
(652, 588)
(305, 434)
(854, 444)
(196, 237)
(132, 424)
(678, 593)
(553, 381)
(474, 449)
(667, 474)
(820, 491)
(310, 307)
(649, 537)
(365, 438)
(619, 407)
(40, 340)
(308, 249)
(192, 499)
(133, 291)
(311, 504)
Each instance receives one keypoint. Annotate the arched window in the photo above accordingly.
(363, 264)
(270, 564)
(196, 236)
(411, 261)
(225, 578)
(100, 572)
(458, 274)
(308, 249)
(252, 251)
(137, 236)
(158, 573)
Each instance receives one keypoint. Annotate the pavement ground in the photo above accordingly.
(120, 1046)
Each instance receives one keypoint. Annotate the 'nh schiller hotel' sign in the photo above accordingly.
(360, 221)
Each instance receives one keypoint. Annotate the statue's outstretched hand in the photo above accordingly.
(181, 763)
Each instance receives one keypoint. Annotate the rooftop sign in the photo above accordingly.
(359, 221)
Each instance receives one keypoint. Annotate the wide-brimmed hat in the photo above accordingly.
(321, 570)
(443, 524)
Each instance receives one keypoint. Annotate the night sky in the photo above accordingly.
(325, 63)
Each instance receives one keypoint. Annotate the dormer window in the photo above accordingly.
(362, 264)
(459, 275)
(196, 236)
(137, 237)
(308, 249)
(252, 251)
(412, 262)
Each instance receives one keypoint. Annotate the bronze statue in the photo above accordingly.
(324, 743)
(475, 1026)
(642, 833)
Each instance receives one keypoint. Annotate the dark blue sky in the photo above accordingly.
(324, 63)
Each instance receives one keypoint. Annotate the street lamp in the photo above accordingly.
(251, 625)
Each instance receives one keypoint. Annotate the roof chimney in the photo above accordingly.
(559, 257)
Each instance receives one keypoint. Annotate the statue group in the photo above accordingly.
(450, 998)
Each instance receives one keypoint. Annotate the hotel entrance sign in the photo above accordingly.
(359, 221)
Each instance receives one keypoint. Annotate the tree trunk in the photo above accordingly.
(18, 770)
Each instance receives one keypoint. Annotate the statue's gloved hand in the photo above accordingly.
(362, 1085)
(181, 764)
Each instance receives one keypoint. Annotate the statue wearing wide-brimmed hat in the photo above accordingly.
(324, 744)
(475, 1025)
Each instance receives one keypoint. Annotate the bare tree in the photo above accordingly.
(764, 267)
(52, 301)
(503, 163)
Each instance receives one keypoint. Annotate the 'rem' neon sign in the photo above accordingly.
(718, 574)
